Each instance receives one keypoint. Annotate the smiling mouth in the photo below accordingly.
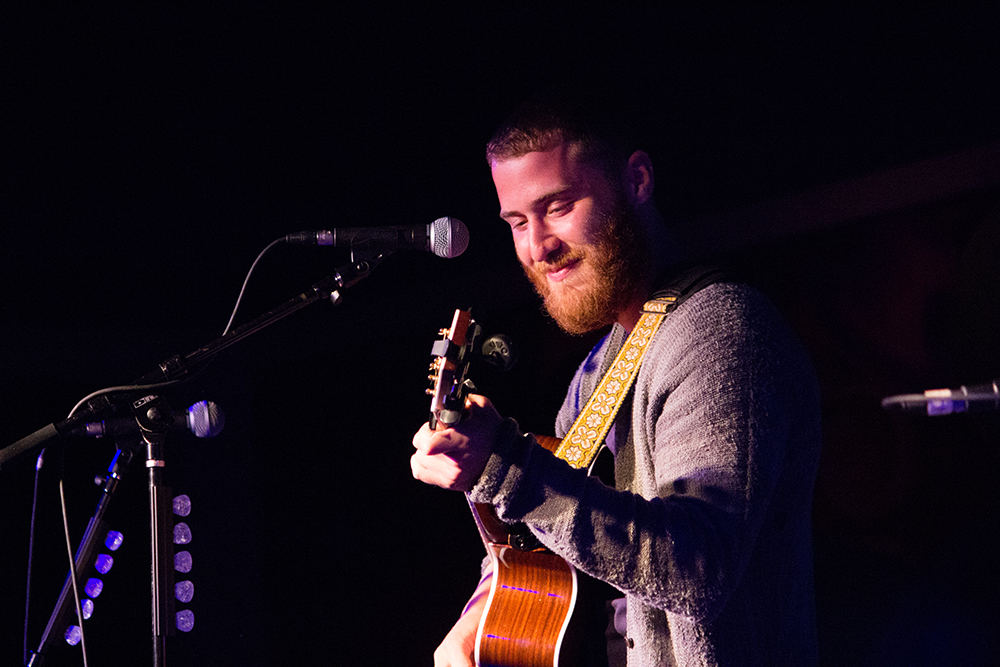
(559, 274)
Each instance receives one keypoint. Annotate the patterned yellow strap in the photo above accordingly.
(584, 438)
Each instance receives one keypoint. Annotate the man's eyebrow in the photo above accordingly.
(543, 199)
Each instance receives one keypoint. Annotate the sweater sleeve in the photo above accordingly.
(713, 407)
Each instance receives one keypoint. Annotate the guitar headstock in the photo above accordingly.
(452, 355)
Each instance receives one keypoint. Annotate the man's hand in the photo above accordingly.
(459, 645)
(455, 457)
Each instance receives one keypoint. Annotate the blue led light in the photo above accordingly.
(185, 620)
(73, 635)
(184, 591)
(93, 587)
(104, 563)
(182, 505)
(182, 561)
(182, 534)
(114, 540)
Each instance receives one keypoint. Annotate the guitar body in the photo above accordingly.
(529, 609)
(541, 611)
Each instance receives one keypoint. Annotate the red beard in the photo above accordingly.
(609, 272)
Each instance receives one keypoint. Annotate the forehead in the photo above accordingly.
(531, 177)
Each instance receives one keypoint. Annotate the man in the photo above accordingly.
(707, 534)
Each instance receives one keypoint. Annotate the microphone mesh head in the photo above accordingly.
(206, 419)
(449, 237)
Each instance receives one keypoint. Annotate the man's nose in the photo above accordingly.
(542, 242)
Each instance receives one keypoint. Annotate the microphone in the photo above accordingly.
(937, 402)
(445, 237)
(205, 419)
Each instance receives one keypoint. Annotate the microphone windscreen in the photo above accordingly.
(449, 237)
(206, 419)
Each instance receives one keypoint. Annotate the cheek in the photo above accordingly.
(522, 249)
(588, 230)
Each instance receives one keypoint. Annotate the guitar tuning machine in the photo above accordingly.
(435, 370)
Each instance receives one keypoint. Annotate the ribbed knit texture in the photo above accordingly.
(710, 535)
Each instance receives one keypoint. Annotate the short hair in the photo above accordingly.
(594, 122)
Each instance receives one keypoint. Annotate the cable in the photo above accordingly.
(72, 571)
(31, 551)
(122, 389)
(246, 280)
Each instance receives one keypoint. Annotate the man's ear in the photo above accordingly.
(639, 177)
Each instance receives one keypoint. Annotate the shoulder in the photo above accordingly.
(727, 300)
(717, 310)
(723, 327)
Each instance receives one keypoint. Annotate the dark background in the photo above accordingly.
(847, 161)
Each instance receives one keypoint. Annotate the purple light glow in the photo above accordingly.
(185, 620)
(104, 563)
(94, 587)
(182, 534)
(182, 561)
(114, 540)
(182, 505)
(184, 591)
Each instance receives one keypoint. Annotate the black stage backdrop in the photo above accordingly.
(846, 160)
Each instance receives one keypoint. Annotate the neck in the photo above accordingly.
(629, 317)
(665, 251)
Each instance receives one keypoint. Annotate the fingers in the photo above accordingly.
(433, 443)
(440, 458)
(453, 458)
(440, 470)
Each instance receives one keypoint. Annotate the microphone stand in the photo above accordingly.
(177, 367)
(84, 559)
(153, 416)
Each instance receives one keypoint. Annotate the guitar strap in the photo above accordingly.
(583, 440)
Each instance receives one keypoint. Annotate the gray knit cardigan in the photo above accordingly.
(708, 534)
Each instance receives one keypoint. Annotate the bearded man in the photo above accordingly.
(706, 533)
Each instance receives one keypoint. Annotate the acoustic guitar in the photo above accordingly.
(529, 620)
